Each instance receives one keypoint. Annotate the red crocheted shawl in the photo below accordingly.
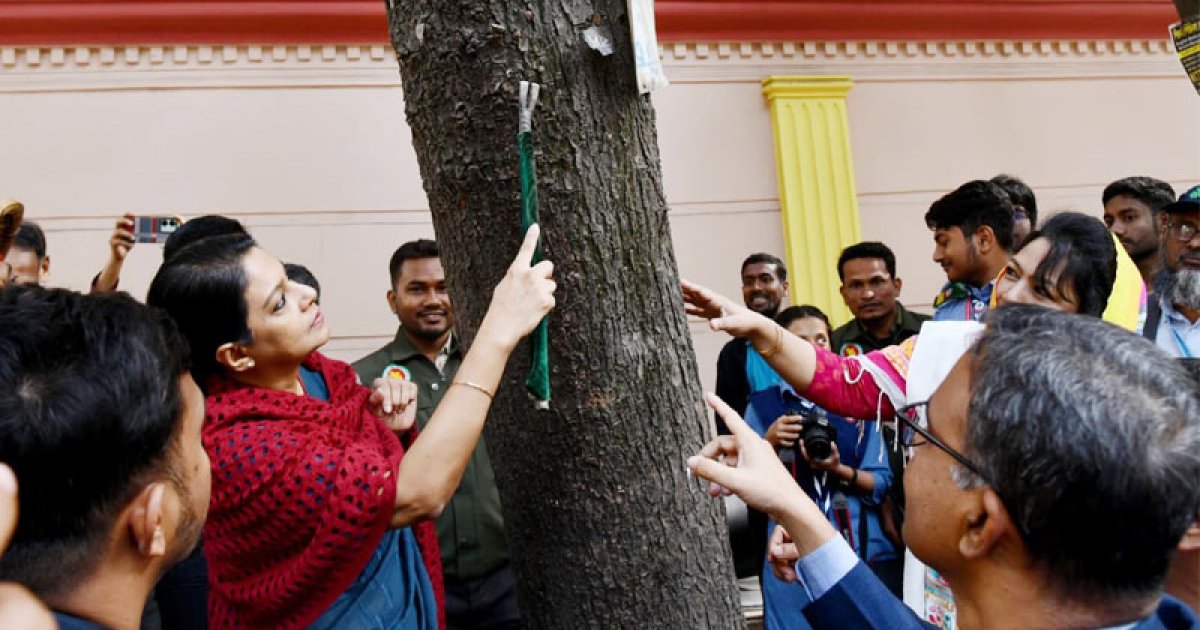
(302, 493)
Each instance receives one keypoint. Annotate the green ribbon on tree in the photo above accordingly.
(538, 382)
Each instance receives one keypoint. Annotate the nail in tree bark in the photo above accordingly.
(606, 529)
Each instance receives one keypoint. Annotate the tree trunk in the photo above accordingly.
(606, 529)
(1187, 9)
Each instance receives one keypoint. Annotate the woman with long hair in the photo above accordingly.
(320, 517)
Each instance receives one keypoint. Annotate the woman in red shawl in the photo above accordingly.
(319, 516)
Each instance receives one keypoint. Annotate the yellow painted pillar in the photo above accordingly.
(816, 184)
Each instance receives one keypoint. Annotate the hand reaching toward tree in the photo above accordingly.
(746, 465)
(524, 296)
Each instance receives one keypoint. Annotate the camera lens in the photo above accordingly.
(818, 437)
(818, 448)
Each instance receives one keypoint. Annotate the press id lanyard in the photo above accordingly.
(1183, 349)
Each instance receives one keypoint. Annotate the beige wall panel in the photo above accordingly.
(716, 144)
(307, 145)
(709, 248)
(933, 135)
(209, 150)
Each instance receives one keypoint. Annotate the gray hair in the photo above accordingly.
(1179, 287)
(1092, 435)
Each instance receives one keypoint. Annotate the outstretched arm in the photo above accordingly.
(816, 373)
(844, 591)
(792, 357)
(434, 465)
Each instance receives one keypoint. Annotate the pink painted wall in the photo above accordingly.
(308, 147)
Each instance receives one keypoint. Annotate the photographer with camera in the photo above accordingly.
(841, 465)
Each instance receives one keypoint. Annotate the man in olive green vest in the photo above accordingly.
(480, 585)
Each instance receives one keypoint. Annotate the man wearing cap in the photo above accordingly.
(480, 584)
(1173, 311)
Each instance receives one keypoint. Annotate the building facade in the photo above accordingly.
(290, 117)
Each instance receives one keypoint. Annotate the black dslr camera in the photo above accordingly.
(818, 434)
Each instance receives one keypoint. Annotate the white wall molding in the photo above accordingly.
(104, 68)
(919, 61)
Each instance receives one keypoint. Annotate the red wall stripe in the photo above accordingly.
(362, 21)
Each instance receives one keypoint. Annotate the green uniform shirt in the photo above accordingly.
(853, 339)
(471, 528)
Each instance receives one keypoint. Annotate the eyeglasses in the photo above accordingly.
(1183, 231)
(913, 434)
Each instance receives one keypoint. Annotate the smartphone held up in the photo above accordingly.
(154, 229)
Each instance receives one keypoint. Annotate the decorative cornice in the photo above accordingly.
(75, 68)
(874, 61)
(194, 66)
(111, 22)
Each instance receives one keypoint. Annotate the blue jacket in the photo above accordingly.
(860, 600)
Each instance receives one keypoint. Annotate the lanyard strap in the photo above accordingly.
(1183, 349)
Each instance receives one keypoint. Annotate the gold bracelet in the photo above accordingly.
(475, 386)
(775, 346)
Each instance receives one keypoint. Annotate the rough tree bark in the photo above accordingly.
(607, 530)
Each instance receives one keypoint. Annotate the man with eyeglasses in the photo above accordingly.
(1052, 476)
(1171, 319)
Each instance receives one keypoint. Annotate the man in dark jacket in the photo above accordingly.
(1030, 525)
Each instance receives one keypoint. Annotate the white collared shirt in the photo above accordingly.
(1176, 335)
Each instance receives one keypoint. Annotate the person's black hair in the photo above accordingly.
(867, 249)
(90, 407)
(1020, 194)
(203, 289)
(764, 258)
(412, 250)
(30, 237)
(299, 273)
(1083, 256)
(973, 205)
(1092, 436)
(199, 229)
(792, 313)
(1155, 193)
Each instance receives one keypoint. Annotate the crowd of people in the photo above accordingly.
(1062, 476)
(262, 484)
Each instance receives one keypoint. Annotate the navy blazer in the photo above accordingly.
(860, 600)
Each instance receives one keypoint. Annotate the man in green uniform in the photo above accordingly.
(480, 584)
(870, 289)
